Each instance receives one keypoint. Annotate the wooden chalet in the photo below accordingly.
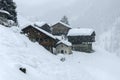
(43, 26)
(81, 39)
(60, 28)
(41, 36)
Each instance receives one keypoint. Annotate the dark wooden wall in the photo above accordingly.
(80, 39)
(37, 36)
(45, 27)
(59, 29)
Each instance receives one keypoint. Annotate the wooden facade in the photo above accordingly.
(40, 36)
(60, 29)
(45, 27)
(82, 43)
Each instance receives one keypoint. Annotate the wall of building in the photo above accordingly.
(85, 47)
(59, 29)
(63, 49)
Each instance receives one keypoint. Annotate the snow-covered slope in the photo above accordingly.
(17, 51)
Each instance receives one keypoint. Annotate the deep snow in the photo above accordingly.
(16, 51)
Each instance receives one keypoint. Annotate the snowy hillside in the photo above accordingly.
(17, 51)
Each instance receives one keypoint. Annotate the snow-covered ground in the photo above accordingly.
(17, 51)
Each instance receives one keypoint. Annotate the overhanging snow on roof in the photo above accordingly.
(80, 32)
(63, 24)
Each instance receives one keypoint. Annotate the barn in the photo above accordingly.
(41, 36)
(82, 39)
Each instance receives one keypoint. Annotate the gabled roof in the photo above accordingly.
(67, 43)
(80, 32)
(43, 31)
(62, 24)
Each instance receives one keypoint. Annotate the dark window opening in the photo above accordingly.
(62, 51)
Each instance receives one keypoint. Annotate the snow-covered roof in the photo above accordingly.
(80, 32)
(45, 32)
(40, 23)
(65, 42)
(63, 24)
(58, 37)
(3, 11)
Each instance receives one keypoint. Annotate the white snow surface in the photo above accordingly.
(16, 51)
(65, 42)
(80, 32)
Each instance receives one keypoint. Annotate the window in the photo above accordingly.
(62, 51)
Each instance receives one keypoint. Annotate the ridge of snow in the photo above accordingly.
(63, 24)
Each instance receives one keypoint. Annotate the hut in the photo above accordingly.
(64, 47)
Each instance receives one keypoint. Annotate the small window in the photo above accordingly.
(62, 51)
